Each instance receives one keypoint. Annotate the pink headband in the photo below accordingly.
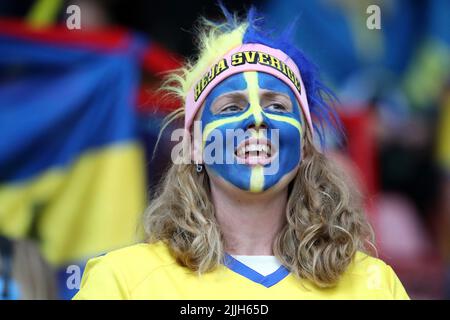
(247, 57)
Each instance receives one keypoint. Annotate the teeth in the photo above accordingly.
(254, 148)
(257, 147)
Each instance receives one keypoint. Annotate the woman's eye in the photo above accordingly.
(276, 107)
(230, 109)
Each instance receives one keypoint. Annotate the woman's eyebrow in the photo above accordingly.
(270, 95)
(229, 96)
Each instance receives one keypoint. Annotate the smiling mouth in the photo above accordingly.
(255, 151)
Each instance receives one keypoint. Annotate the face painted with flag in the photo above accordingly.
(259, 120)
(253, 101)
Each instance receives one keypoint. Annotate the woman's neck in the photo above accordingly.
(249, 222)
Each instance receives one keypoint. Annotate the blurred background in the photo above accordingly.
(79, 117)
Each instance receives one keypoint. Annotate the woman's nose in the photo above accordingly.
(257, 126)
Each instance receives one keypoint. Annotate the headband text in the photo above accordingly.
(241, 58)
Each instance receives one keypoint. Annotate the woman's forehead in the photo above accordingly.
(238, 82)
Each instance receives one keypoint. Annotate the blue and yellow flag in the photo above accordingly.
(71, 167)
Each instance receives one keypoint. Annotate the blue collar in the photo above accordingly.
(249, 273)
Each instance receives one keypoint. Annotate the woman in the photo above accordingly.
(260, 215)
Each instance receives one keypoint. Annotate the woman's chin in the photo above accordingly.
(219, 182)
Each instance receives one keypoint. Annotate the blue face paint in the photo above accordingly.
(282, 126)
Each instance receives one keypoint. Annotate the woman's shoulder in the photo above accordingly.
(364, 263)
(153, 254)
(115, 274)
(373, 275)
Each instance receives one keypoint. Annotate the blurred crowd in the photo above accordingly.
(80, 115)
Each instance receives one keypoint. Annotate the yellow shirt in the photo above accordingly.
(148, 271)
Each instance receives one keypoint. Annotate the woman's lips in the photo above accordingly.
(254, 151)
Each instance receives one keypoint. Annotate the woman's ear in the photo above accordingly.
(196, 144)
(196, 141)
